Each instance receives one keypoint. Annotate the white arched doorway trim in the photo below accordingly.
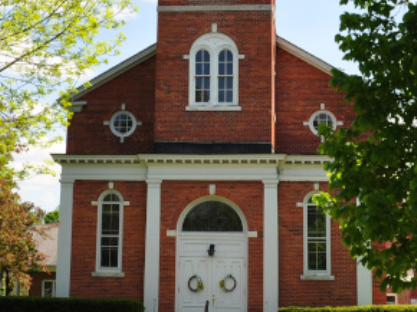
(194, 264)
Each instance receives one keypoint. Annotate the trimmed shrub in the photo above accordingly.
(38, 304)
(371, 308)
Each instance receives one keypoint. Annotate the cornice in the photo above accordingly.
(154, 159)
(64, 159)
(305, 160)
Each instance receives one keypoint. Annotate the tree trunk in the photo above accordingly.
(9, 284)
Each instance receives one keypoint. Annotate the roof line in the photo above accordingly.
(304, 55)
(116, 71)
(151, 51)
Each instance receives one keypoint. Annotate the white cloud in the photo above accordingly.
(125, 15)
(43, 191)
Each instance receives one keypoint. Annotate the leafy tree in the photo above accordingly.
(52, 217)
(374, 160)
(18, 252)
(45, 46)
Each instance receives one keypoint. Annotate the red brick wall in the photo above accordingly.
(378, 296)
(176, 196)
(406, 296)
(251, 32)
(293, 291)
(214, 2)
(84, 242)
(37, 278)
(300, 89)
(136, 89)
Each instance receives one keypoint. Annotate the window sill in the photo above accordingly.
(211, 108)
(317, 277)
(108, 274)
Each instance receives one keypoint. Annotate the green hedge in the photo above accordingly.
(38, 304)
(375, 308)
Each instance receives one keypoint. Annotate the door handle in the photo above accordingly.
(206, 309)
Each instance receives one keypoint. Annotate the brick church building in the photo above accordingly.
(190, 169)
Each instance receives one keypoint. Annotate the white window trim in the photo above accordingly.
(104, 271)
(315, 274)
(322, 111)
(53, 287)
(110, 123)
(214, 43)
(115, 131)
(393, 295)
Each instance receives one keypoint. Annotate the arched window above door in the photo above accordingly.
(212, 216)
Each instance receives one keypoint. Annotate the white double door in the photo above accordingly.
(227, 268)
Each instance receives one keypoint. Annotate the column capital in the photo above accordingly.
(270, 182)
(67, 181)
(154, 182)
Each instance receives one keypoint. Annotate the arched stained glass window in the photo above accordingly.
(212, 216)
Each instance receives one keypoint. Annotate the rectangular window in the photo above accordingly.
(391, 298)
(48, 288)
(110, 236)
(316, 241)
(316, 238)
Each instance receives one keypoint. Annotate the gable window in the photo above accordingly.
(316, 241)
(109, 233)
(123, 123)
(322, 117)
(214, 72)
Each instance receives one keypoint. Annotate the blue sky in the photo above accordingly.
(311, 25)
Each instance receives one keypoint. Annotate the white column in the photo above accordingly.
(63, 273)
(152, 243)
(363, 281)
(270, 274)
(364, 284)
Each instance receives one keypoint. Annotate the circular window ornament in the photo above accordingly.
(123, 124)
(320, 117)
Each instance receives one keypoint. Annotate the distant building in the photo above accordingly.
(43, 284)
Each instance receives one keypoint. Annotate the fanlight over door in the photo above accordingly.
(212, 216)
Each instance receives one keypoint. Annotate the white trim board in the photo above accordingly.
(192, 167)
(192, 159)
(304, 55)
